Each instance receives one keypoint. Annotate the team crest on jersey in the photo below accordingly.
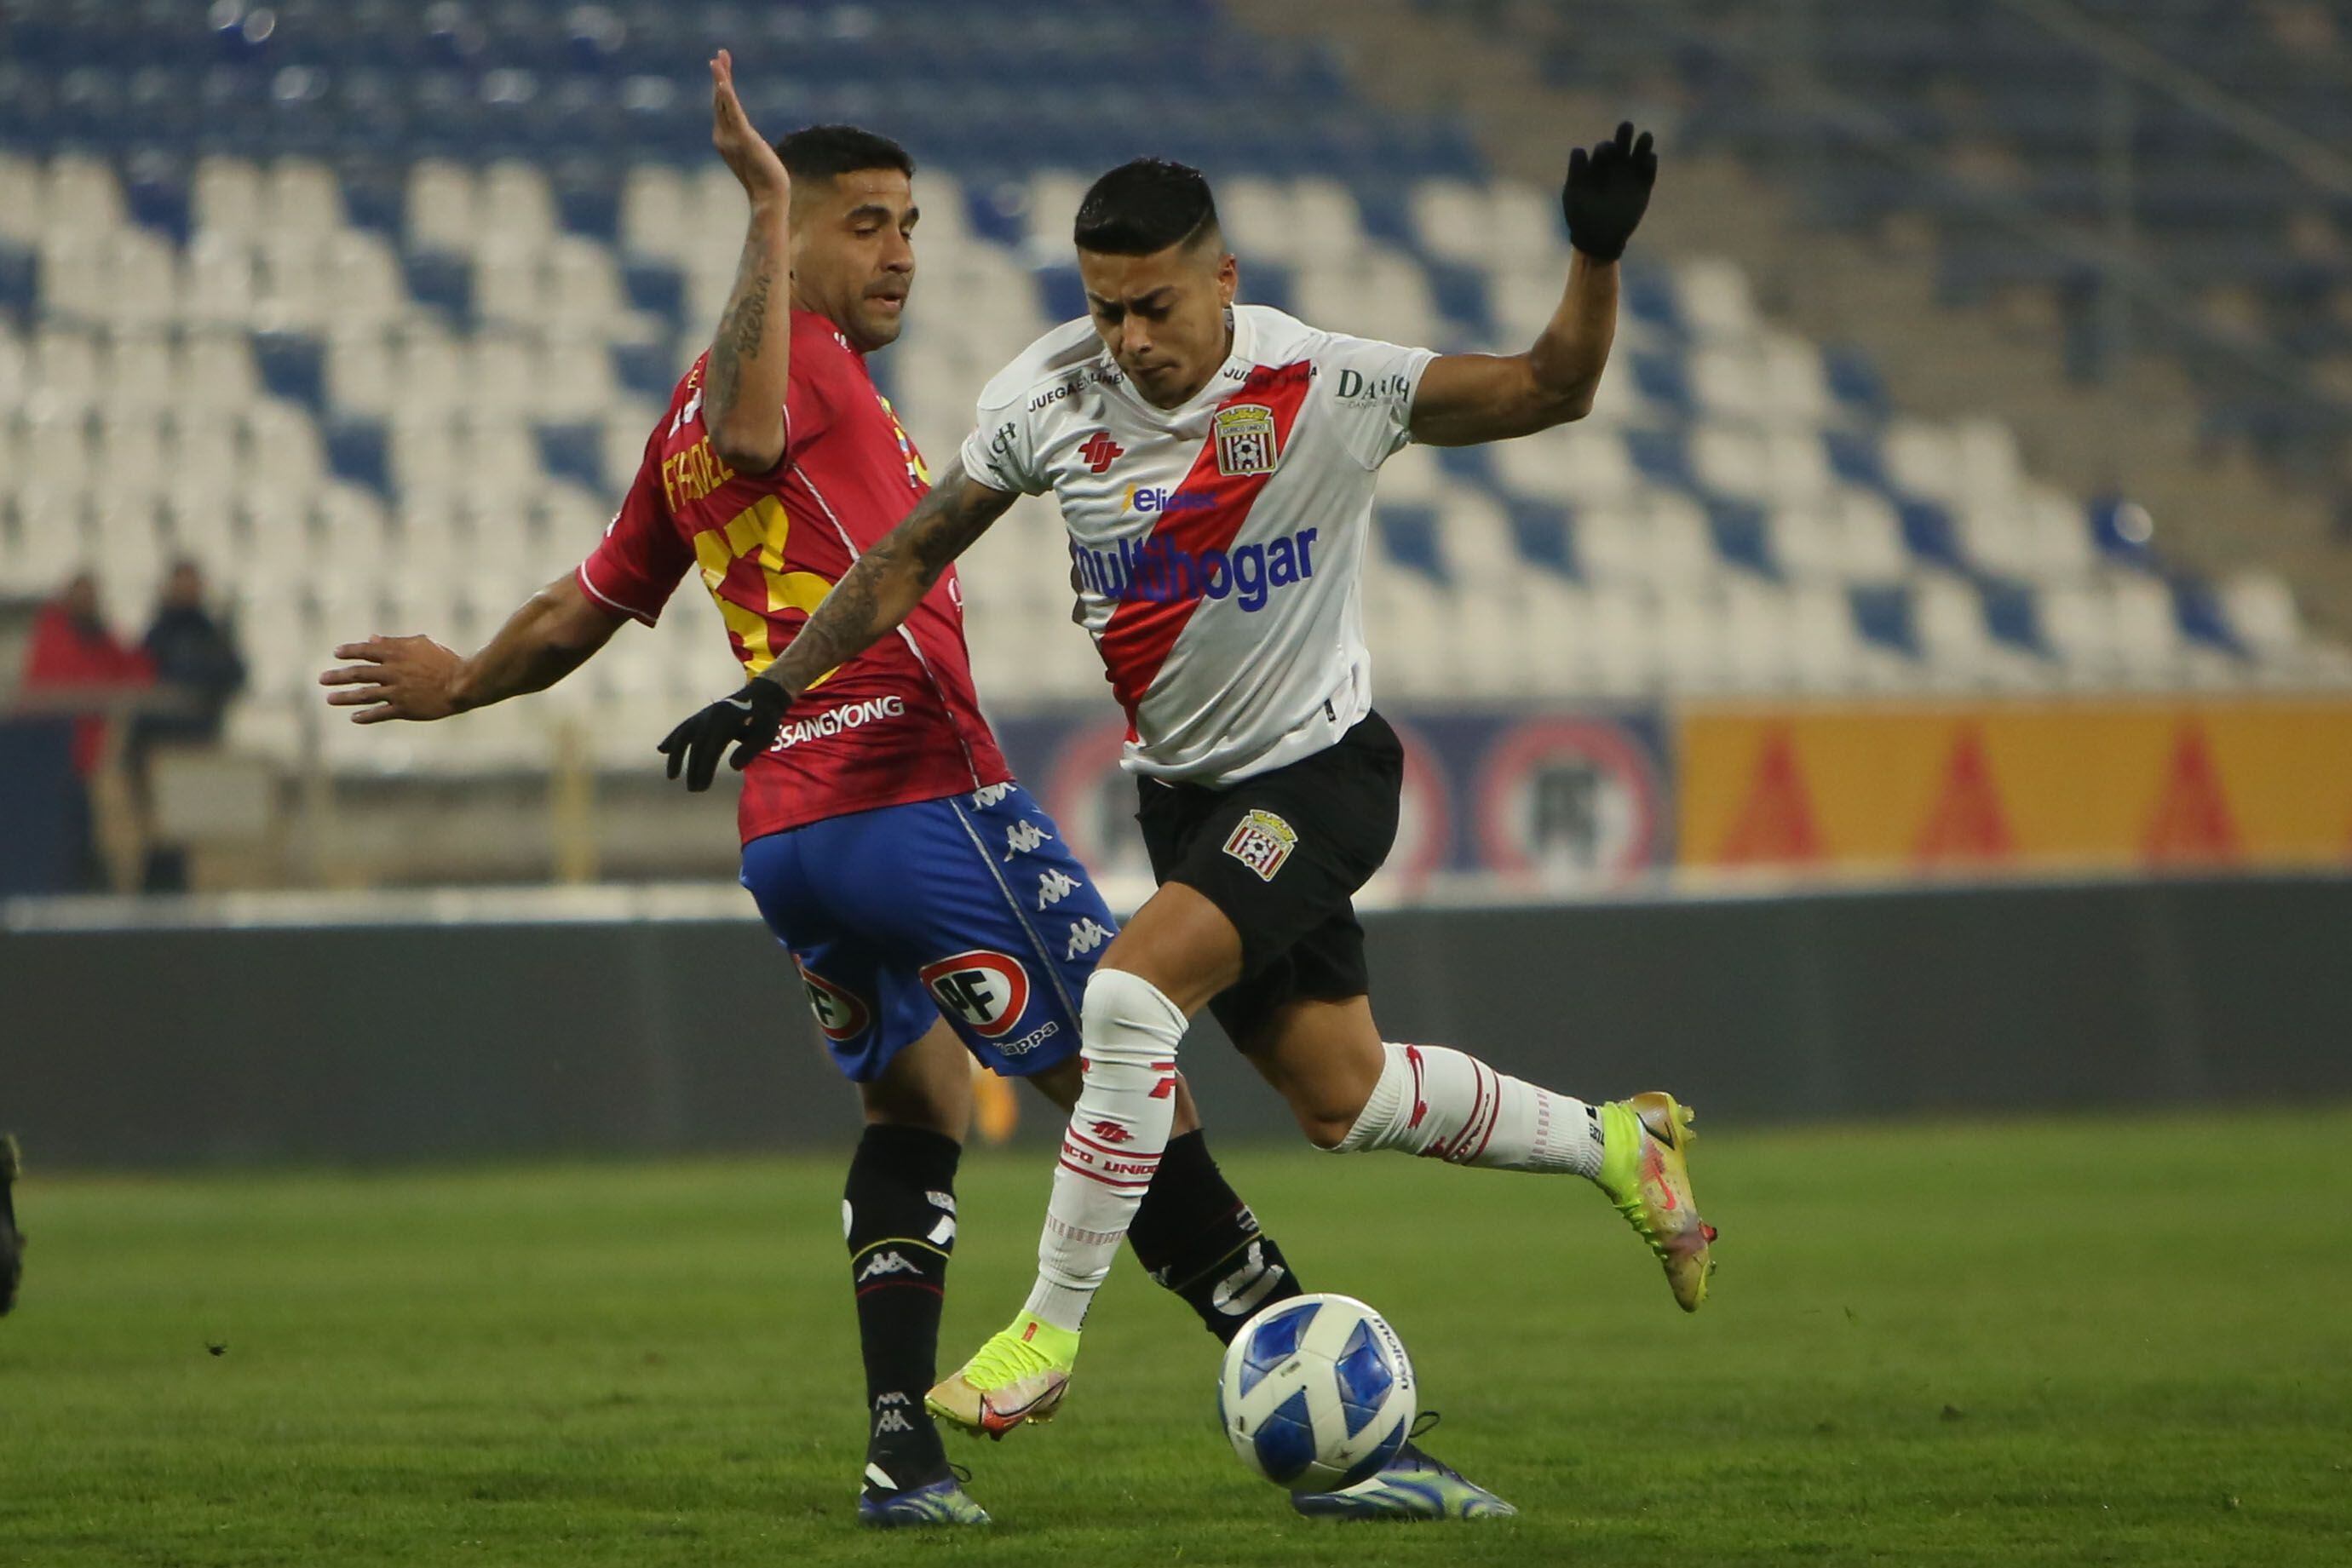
(918, 473)
(986, 991)
(1245, 440)
(839, 1013)
(1262, 842)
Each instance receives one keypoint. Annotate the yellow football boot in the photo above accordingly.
(1019, 1376)
(1645, 1171)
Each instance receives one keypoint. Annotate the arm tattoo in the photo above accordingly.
(883, 586)
(741, 328)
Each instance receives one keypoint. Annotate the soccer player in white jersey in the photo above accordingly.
(1214, 466)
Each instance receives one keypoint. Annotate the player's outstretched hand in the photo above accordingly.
(754, 162)
(397, 678)
(748, 721)
(1607, 192)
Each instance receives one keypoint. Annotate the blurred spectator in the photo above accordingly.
(195, 657)
(74, 654)
(194, 652)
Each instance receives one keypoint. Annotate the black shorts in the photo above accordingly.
(1280, 855)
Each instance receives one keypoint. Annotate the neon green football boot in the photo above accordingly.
(1019, 1376)
(1645, 1171)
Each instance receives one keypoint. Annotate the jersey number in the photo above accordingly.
(758, 530)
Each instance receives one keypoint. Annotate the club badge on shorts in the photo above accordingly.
(1262, 842)
(1245, 440)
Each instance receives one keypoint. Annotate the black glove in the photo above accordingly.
(1607, 192)
(747, 720)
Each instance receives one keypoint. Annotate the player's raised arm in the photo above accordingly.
(1465, 399)
(880, 591)
(751, 356)
(553, 633)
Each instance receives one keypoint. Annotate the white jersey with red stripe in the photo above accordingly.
(1218, 546)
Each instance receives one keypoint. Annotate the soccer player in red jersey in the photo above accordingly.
(930, 904)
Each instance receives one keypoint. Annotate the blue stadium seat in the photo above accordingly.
(442, 280)
(1270, 283)
(2012, 614)
(2198, 610)
(1662, 380)
(1883, 614)
(1650, 298)
(156, 195)
(575, 451)
(656, 287)
(1855, 458)
(1060, 293)
(293, 367)
(1471, 465)
(588, 201)
(650, 371)
(1411, 534)
(1460, 294)
(1742, 538)
(1545, 532)
(1854, 379)
(358, 452)
(1929, 533)
(1662, 456)
(19, 280)
(375, 195)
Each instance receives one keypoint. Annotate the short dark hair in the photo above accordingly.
(829, 151)
(1145, 206)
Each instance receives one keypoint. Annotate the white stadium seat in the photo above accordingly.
(225, 198)
(442, 207)
(1579, 463)
(656, 205)
(1716, 299)
(134, 425)
(303, 198)
(83, 197)
(217, 282)
(24, 198)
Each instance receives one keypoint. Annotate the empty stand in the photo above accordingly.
(380, 336)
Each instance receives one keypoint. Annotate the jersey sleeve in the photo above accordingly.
(638, 563)
(1371, 387)
(1001, 451)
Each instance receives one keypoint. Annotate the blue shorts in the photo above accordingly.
(968, 908)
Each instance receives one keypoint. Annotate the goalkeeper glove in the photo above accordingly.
(748, 721)
(1606, 193)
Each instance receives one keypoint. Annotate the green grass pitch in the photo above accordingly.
(2057, 1342)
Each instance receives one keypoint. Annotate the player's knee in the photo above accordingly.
(1358, 1115)
(1126, 1021)
(1325, 1128)
(1329, 1112)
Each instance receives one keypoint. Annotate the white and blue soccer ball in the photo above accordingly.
(1316, 1393)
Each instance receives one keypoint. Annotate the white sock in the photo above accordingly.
(1118, 1131)
(1435, 1101)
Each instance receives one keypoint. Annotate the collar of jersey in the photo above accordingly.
(1218, 388)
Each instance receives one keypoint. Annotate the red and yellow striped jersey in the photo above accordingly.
(898, 722)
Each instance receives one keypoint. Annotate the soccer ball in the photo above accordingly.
(1316, 1393)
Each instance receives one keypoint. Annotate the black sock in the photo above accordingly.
(900, 1211)
(1200, 1239)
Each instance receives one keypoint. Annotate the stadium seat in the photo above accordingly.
(396, 343)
